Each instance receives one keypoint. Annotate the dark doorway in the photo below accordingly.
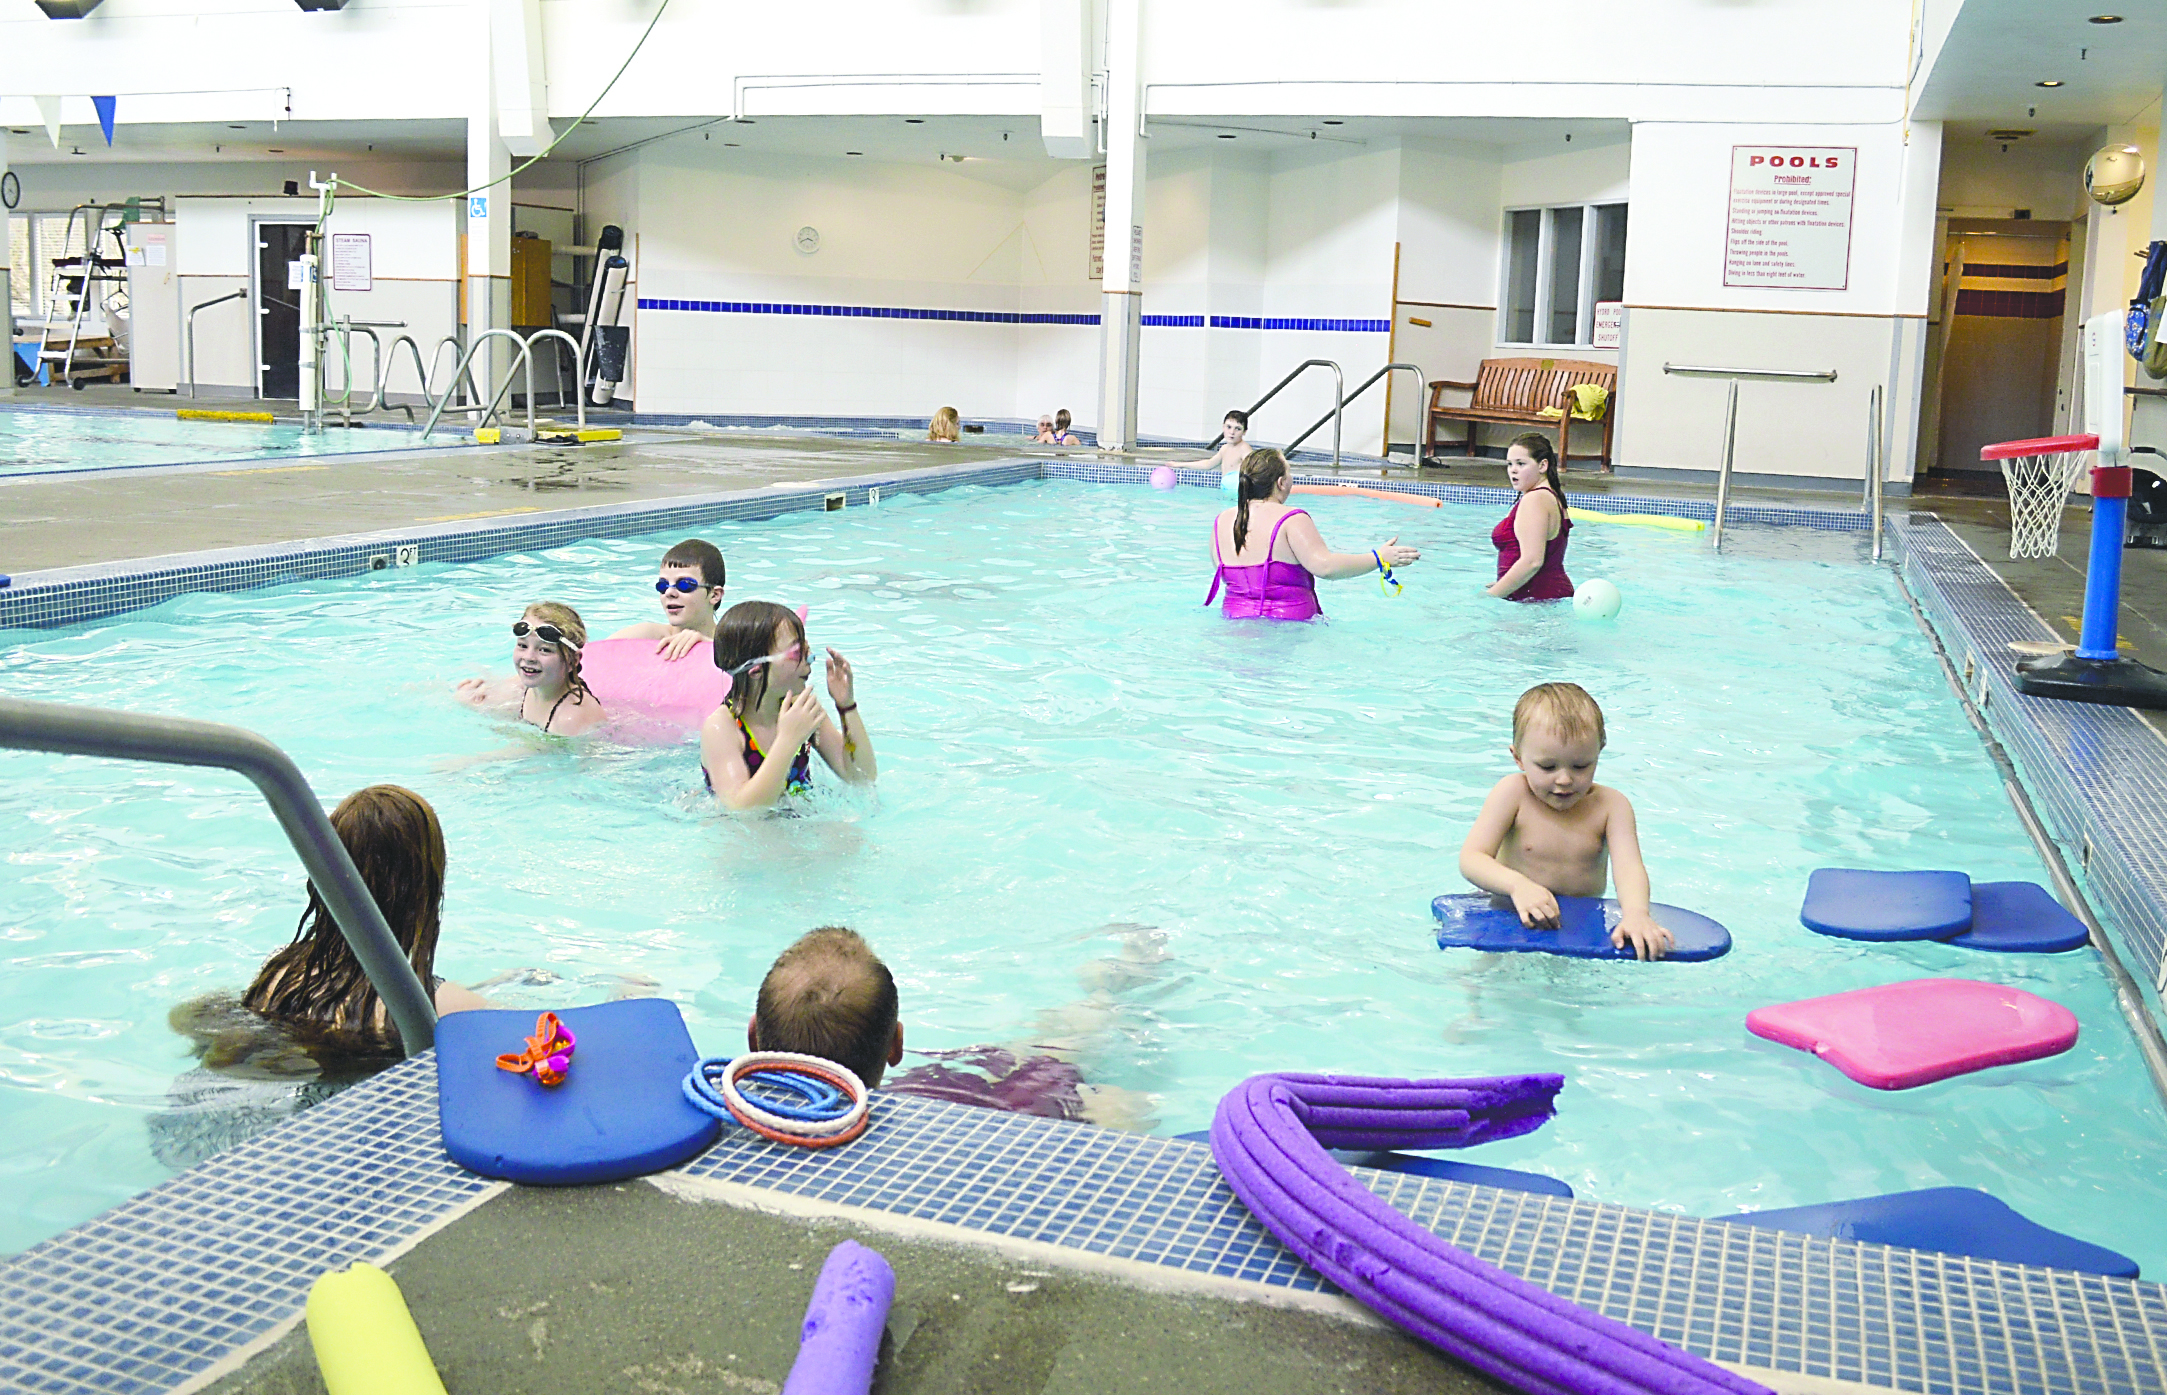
(278, 308)
(2003, 293)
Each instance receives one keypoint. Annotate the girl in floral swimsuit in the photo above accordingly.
(758, 745)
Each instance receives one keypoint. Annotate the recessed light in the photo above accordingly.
(733, 145)
(231, 127)
(2104, 19)
(2048, 82)
(1329, 122)
(18, 131)
(853, 152)
(914, 121)
(274, 152)
(1224, 136)
(746, 121)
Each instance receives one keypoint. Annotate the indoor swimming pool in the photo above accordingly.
(1107, 820)
(44, 442)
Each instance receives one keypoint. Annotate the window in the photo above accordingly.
(1559, 262)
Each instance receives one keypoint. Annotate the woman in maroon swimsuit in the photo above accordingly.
(1531, 539)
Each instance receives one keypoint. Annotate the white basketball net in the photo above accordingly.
(2039, 486)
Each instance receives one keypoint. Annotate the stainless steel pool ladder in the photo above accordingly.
(1422, 386)
(1339, 402)
(525, 356)
(1730, 423)
(92, 731)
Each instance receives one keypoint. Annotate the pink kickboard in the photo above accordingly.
(1904, 1034)
(628, 676)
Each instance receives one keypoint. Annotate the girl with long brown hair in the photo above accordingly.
(1531, 538)
(758, 745)
(1269, 556)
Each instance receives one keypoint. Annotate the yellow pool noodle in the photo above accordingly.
(205, 414)
(1640, 520)
(365, 1339)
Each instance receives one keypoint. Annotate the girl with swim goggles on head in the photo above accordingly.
(758, 745)
(545, 689)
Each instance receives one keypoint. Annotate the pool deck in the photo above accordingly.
(172, 1290)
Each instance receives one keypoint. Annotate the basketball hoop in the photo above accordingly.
(2040, 475)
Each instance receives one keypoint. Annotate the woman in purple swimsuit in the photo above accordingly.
(1269, 557)
(1531, 540)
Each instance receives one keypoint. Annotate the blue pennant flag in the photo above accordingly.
(105, 116)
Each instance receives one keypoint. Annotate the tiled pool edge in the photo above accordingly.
(161, 1289)
(2094, 773)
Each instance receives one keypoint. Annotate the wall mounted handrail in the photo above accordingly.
(1339, 401)
(1422, 396)
(241, 294)
(1824, 375)
(90, 731)
(1730, 427)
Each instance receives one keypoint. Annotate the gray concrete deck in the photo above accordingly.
(544, 1292)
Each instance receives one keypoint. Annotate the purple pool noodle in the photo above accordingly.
(841, 1339)
(1265, 1141)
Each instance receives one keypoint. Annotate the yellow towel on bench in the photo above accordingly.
(1589, 399)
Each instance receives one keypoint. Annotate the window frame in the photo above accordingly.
(1590, 264)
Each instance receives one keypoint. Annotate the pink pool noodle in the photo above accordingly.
(840, 1342)
(1268, 1138)
(1904, 1034)
(628, 676)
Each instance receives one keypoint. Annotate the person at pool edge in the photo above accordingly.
(1277, 579)
(1548, 830)
(758, 745)
(1234, 447)
(546, 641)
(1531, 540)
(829, 995)
(690, 588)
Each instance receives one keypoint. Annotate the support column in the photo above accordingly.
(7, 289)
(1122, 299)
(488, 239)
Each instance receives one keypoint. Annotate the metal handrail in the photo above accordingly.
(391, 361)
(580, 397)
(91, 731)
(1824, 375)
(241, 294)
(463, 369)
(1339, 400)
(1421, 390)
(1876, 467)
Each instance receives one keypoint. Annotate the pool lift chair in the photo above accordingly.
(604, 344)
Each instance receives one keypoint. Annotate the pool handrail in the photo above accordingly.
(65, 729)
(1876, 467)
(1730, 427)
(241, 294)
(1421, 396)
(1339, 401)
(464, 369)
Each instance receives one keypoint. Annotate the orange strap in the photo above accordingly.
(548, 1056)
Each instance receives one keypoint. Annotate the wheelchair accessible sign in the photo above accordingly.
(477, 207)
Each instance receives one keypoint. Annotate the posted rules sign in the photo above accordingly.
(1790, 217)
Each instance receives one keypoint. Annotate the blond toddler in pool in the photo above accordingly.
(1548, 830)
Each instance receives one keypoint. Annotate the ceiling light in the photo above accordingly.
(853, 152)
(1329, 122)
(914, 121)
(732, 145)
(2048, 82)
(67, 9)
(18, 131)
(274, 152)
(2104, 19)
(231, 127)
(2009, 133)
(1224, 136)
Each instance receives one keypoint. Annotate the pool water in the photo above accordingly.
(47, 442)
(1107, 819)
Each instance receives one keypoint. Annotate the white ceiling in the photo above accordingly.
(1998, 50)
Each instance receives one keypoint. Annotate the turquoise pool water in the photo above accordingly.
(45, 442)
(1190, 849)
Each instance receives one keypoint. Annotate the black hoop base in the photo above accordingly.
(2111, 682)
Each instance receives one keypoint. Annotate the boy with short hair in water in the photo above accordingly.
(691, 590)
(1548, 830)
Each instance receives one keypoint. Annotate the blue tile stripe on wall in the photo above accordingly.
(1008, 317)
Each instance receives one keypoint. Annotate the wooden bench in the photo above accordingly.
(1513, 392)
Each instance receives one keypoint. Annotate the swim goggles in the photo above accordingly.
(1386, 582)
(545, 632)
(687, 584)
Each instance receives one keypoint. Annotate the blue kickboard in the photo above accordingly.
(619, 1113)
(1474, 921)
(1420, 1165)
(1946, 1220)
(1858, 905)
(2020, 918)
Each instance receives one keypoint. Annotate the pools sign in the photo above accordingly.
(1790, 217)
